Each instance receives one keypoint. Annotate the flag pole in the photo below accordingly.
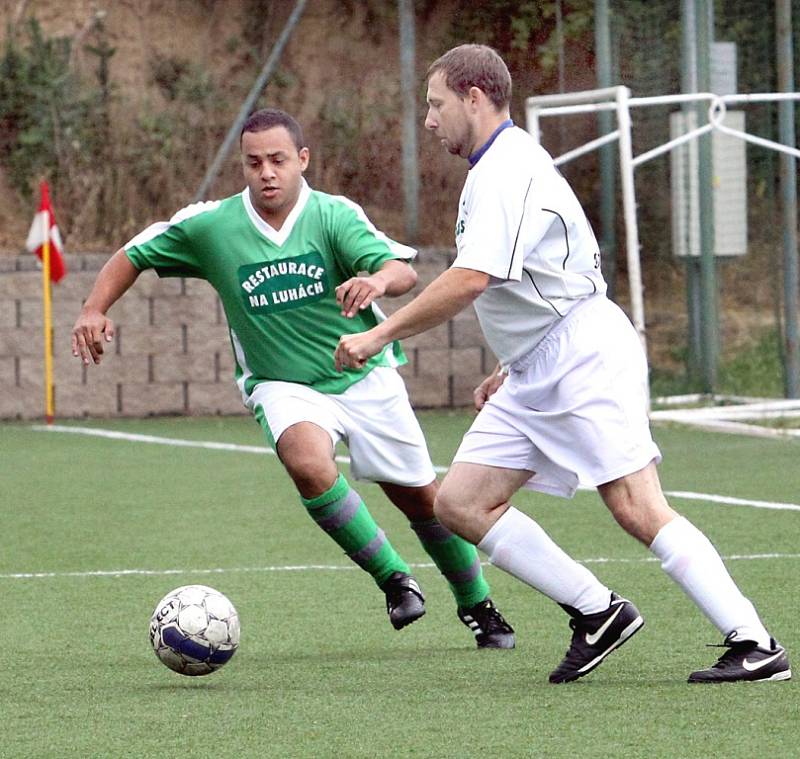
(48, 321)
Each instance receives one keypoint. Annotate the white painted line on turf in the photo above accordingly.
(731, 500)
(137, 438)
(326, 568)
(154, 439)
(212, 445)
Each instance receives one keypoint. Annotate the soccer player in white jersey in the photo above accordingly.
(295, 269)
(567, 403)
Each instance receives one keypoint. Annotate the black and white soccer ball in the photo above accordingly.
(194, 630)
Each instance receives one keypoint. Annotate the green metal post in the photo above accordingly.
(791, 293)
(409, 87)
(693, 299)
(708, 276)
(608, 223)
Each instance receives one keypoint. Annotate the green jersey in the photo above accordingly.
(278, 286)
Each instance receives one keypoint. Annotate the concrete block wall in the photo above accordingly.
(172, 353)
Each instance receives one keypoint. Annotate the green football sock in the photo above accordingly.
(456, 559)
(344, 516)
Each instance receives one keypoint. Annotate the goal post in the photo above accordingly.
(618, 100)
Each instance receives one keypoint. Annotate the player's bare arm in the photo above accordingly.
(441, 300)
(93, 326)
(392, 279)
(489, 387)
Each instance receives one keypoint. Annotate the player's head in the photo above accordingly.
(274, 157)
(469, 88)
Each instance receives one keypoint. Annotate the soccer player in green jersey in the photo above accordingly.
(296, 269)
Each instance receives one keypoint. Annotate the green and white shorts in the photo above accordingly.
(373, 418)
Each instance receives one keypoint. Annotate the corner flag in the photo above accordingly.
(46, 220)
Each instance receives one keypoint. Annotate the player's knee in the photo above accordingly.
(448, 508)
(312, 477)
(641, 521)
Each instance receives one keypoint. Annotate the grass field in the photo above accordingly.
(95, 531)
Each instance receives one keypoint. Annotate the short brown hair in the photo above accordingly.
(478, 66)
(268, 118)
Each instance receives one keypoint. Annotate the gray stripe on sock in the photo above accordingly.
(346, 511)
(363, 556)
(431, 532)
(465, 575)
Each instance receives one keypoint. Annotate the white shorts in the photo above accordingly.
(574, 410)
(373, 418)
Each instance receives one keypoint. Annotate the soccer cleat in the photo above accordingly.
(595, 636)
(746, 661)
(404, 600)
(488, 625)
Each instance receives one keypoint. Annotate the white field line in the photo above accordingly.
(179, 442)
(212, 445)
(117, 573)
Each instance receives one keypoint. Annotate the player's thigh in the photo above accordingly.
(468, 487)
(277, 406)
(306, 451)
(302, 426)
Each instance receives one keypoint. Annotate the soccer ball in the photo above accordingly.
(194, 630)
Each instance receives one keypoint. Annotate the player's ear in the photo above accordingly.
(305, 155)
(475, 95)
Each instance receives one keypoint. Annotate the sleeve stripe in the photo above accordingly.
(519, 228)
(539, 293)
(566, 235)
(398, 249)
(154, 230)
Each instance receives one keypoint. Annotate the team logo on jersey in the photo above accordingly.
(274, 286)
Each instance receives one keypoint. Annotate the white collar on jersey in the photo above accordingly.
(278, 236)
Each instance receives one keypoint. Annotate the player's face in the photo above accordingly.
(273, 168)
(448, 117)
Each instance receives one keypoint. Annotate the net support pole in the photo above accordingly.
(253, 95)
(605, 119)
(708, 275)
(788, 182)
(409, 100)
(692, 262)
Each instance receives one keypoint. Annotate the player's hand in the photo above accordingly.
(88, 335)
(357, 293)
(354, 351)
(487, 389)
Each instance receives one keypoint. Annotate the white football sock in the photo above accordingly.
(690, 559)
(517, 545)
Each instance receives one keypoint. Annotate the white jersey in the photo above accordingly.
(520, 222)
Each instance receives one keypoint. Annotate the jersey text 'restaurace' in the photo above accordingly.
(278, 287)
(520, 222)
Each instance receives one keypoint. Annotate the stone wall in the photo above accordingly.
(172, 353)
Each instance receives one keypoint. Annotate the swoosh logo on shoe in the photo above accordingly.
(592, 638)
(752, 666)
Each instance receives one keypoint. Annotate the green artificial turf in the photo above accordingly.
(109, 526)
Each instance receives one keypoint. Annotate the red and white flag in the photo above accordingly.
(45, 219)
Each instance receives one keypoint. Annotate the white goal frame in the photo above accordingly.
(618, 100)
